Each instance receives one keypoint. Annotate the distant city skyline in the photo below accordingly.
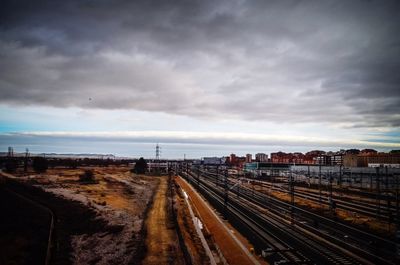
(201, 78)
(127, 144)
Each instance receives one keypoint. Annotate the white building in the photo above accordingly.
(249, 158)
(261, 157)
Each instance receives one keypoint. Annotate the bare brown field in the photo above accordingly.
(118, 197)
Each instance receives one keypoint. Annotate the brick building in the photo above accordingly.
(261, 157)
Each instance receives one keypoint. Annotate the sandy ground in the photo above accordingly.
(162, 242)
(230, 249)
(119, 197)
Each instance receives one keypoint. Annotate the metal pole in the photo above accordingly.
(198, 176)
(252, 186)
(388, 197)
(226, 194)
(26, 160)
(187, 170)
(351, 178)
(378, 197)
(330, 193)
(370, 179)
(291, 187)
(238, 186)
(397, 202)
(217, 174)
(319, 186)
(386, 179)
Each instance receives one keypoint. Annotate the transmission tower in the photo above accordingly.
(157, 161)
(158, 152)
(26, 160)
(10, 152)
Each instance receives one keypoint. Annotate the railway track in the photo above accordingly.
(343, 236)
(347, 237)
(295, 240)
(274, 248)
(369, 209)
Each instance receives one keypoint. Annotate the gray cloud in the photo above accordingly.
(292, 61)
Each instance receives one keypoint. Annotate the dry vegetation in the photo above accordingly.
(116, 217)
(117, 196)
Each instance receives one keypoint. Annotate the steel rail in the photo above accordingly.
(286, 207)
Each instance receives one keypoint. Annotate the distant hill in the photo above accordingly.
(55, 155)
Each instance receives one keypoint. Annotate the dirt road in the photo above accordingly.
(162, 243)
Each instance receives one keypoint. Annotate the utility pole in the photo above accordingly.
(184, 162)
(387, 191)
(238, 187)
(351, 178)
(332, 204)
(386, 179)
(291, 191)
(370, 179)
(397, 216)
(319, 185)
(397, 203)
(378, 195)
(198, 176)
(217, 174)
(226, 193)
(252, 186)
(187, 170)
(26, 160)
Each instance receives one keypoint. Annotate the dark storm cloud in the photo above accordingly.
(280, 61)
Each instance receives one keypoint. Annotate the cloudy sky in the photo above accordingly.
(199, 77)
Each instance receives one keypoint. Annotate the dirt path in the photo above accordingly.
(232, 251)
(162, 243)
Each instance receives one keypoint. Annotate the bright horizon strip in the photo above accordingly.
(213, 138)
